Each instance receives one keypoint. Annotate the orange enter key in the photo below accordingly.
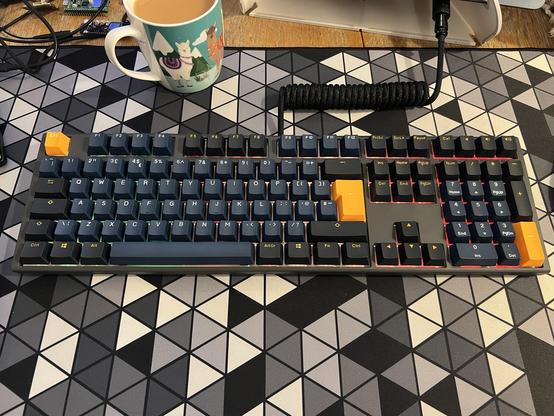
(529, 244)
(349, 196)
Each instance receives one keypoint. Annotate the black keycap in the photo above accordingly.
(449, 170)
(65, 252)
(35, 252)
(72, 167)
(159, 168)
(340, 232)
(141, 144)
(465, 146)
(120, 144)
(471, 170)
(451, 191)
(495, 190)
(350, 146)
(424, 191)
(433, 254)
(49, 208)
(297, 253)
(98, 144)
(492, 170)
(267, 170)
(485, 146)
(215, 145)
(342, 169)
(499, 211)
(508, 254)
(181, 169)
(236, 145)
(287, 170)
(402, 191)
(503, 232)
(246, 169)
(202, 169)
(410, 254)
(51, 188)
(329, 145)
(256, 145)
(138, 168)
(397, 146)
(386, 253)
(454, 211)
(39, 230)
(181, 253)
(481, 232)
(327, 253)
(287, 146)
(93, 168)
(477, 211)
(518, 201)
(271, 231)
(224, 169)
(512, 170)
(355, 253)
(116, 168)
(380, 191)
(308, 145)
(422, 169)
(473, 191)
(163, 145)
(458, 232)
(270, 253)
(407, 231)
(444, 146)
(506, 147)
(474, 254)
(49, 167)
(378, 169)
(400, 169)
(418, 146)
(94, 253)
(181, 231)
(194, 145)
(376, 146)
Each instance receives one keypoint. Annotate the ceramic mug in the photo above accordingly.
(184, 57)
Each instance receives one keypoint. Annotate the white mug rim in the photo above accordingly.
(130, 11)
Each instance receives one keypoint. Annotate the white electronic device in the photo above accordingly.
(526, 4)
(471, 22)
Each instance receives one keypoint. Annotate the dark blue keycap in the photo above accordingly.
(181, 169)
(481, 232)
(228, 231)
(272, 231)
(137, 169)
(350, 146)
(204, 231)
(112, 230)
(217, 210)
(163, 145)
(50, 167)
(202, 169)
(503, 232)
(499, 211)
(234, 189)
(181, 231)
(79, 188)
(287, 146)
(261, 210)
(120, 144)
(329, 146)
(239, 210)
(158, 231)
(104, 209)
(473, 254)
(477, 211)
(172, 210)
(451, 191)
(150, 209)
(308, 170)
(159, 168)
(72, 167)
(299, 190)
(495, 190)
(454, 211)
(190, 189)
(267, 170)
(93, 168)
(168, 189)
(256, 189)
(90, 231)
(102, 188)
(321, 190)
(66, 230)
(246, 169)
(473, 191)
(141, 144)
(277, 190)
(327, 211)
(81, 209)
(98, 144)
(294, 231)
(147, 189)
(194, 209)
(224, 169)
(508, 254)
(305, 210)
(213, 189)
(288, 170)
(308, 145)
(250, 231)
(124, 189)
(135, 230)
(115, 168)
(283, 210)
(458, 232)
(127, 209)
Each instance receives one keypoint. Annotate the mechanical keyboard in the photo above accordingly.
(154, 203)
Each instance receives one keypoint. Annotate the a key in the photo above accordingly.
(340, 232)
(503, 232)
(308, 170)
(215, 145)
(250, 231)
(204, 231)
(308, 145)
(486, 146)
(163, 145)
(93, 168)
(267, 170)
(506, 147)
(120, 144)
(491, 170)
(422, 169)
(90, 231)
(72, 167)
(458, 232)
(407, 231)
(529, 244)
(194, 210)
(355, 253)
(495, 190)
(350, 146)
(327, 211)
(168, 189)
(424, 191)
(228, 231)
(402, 191)
(471, 170)
(172, 210)
(418, 146)
(270, 253)
(135, 231)
(327, 253)
(378, 169)
(400, 169)
(473, 254)
(255, 189)
(454, 211)
(213, 189)
(299, 190)
(137, 168)
(217, 210)
(271, 231)
(35, 252)
(277, 190)
(508, 254)
(146, 189)
(321, 190)
(234, 189)
(305, 211)
(386, 254)
(224, 169)
(141, 144)
(190, 189)
(150, 209)
(518, 201)
(39, 230)
(194, 145)
(410, 254)
(342, 169)
(512, 170)
(159, 169)
(451, 191)
(202, 169)
(81, 209)
(181, 169)
(112, 230)
(102, 188)
(380, 191)
(477, 211)
(294, 231)
(448, 170)
(51, 188)
(256, 145)
(116, 168)
(261, 210)
(95, 253)
(444, 146)
(124, 189)
(239, 210)
(397, 146)
(376, 146)
(49, 208)
(98, 144)
(282, 210)
(481, 232)
(433, 254)
(246, 169)
(104, 209)
(49, 167)
(473, 191)
(181, 231)
(465, 146)
(499, 211)
(65, 252)
(297, 253)
(329, 146)
(287, 170)
(236, 145)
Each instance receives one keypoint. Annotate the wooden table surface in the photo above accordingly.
(521, 29)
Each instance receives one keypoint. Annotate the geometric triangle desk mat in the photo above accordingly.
(268, 344)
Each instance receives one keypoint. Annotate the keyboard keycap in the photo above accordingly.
(135, 231)
(418, 146)
(529, 244)
(308, 146)
(194, 210)
(451, 191)
(485, 146)
(299, 190)
(141, 144)
(39, 230)
(72, 167)
(340, 232)
(308, 170)
(512, 170)
(378, 169)
(506, 147)
(433, 254)
(181, 231)
(168, 189)
(402, 191)
(350, 146)
(159, 168)
(297, 253)
(150, 209)
(250, 231)
(508, 254)
(477, 211)
(172, 210)
(492, 170)
(422, 169)
(397, 146)
(102, 188)
(213, 189)
(321, 190)
(424, 191)
(194, 145)
(234, 189)
(481, 232)
(380, 191)
(329, 146)
(465, 146)
(499, 211)
(294, 231)
(407, 231)
(267, 170)
(236, 145)
(256, 145)
(305, 211)
(98, 144)
(95, 253)
(495, 190)
(448, 170)
(81, 209)
(327, 253)
(350, 199)
(355, 253)
(66, 230)
(261, 210)
(342, 169)
(454, 211)
(116, 168)
(51, 188)
(473, 191)
(255, 189)
(270, 253)
(120, 144)
(240, 210)
(137, 168)
(400, 169)
(90, 231)
(282, 210)
(163, 145)
(181, 169)
(444, 146)
(215, 145)
(376, 146)
(224, 169)
(50, 167)
(458, 232)
(112, 230)
(327, 211)
(93, 168)
(35, 252)
(288, 170)
(272, 231)
(65, 252)
(204, 231)
(474, 254)
(228, 231)
(104, 209)
(471, 170)
(217, 210)
(503, 232)
(387, 254)
(49, 208)
(410, 254)
(518, 201)
(124, 189)
(202, 169)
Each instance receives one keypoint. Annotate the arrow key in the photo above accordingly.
(410, 254)
(387, 254)
(433, 254)
(407, 231)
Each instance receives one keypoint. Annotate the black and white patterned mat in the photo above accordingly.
(269, 344)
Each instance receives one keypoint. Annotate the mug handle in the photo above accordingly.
(114, 36)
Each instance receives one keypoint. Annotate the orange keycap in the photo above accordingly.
(56, 144)
(529, 244)
(349, 196)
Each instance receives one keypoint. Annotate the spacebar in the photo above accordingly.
(164, 253)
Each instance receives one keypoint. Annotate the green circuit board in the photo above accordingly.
(83, 6)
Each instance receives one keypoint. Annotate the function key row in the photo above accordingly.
(131, 144)
(220, 145)
(312, 146)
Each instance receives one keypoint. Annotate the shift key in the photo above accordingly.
(338, 232)
(49, 209)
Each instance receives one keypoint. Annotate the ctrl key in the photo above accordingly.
(35, 252)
